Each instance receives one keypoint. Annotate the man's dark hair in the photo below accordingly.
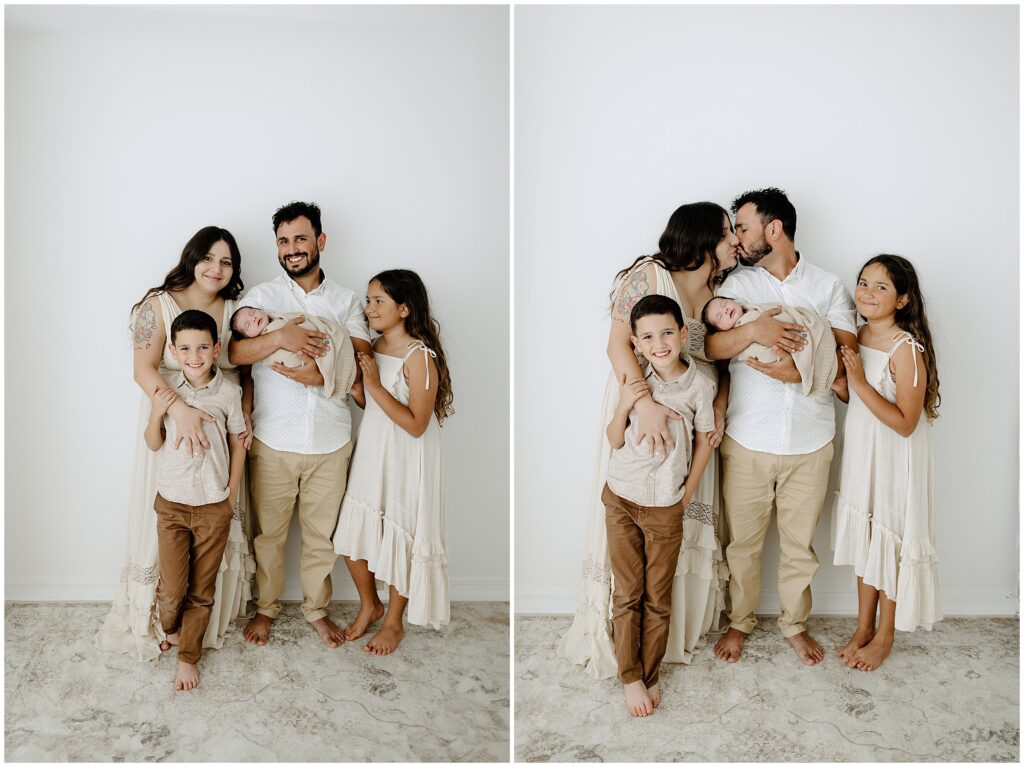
(293, 210)
(771, 204)
(193, 319)
(655, 305)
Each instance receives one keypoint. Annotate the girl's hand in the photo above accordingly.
(247, 435)
(854, 370)
(371, 376)
(630, 392)
(160, 401)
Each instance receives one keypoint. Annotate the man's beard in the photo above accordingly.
(312, 262)
(756, 253)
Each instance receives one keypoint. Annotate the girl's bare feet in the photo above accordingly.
(638, 702)
(367, 617)
(730, 645)
(171, 641)
(386, 640)
(860, 638)
(870, 656)
(808, 651)
(188, 676)
(654, 693)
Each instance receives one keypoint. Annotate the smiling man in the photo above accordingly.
(302, 445)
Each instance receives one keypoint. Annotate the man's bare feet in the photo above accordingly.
(171, 641)
(730, 646)
(654, 693)
(330, 634)
(386, 640)
(367, 617)
(870, 656)
(860, 638)
(638, 702)
(257, 630)
(808, 651)
(188, 676)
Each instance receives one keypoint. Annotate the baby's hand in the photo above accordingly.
(161, 400)
(631, 391)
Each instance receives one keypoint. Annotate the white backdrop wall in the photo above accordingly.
(129, 128)
(893, 129)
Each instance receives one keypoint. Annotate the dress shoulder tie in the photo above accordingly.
(904, 337)
(427, 352)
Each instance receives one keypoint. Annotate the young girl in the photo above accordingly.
(391, 526)
(883, 522)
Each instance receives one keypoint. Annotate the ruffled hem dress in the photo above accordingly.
(883, 520)
(702, 575)
(393, 513)
(133, 624)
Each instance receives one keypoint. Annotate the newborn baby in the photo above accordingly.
(816, 362)
(338, 366)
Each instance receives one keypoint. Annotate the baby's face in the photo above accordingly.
(250, 322)
(723, 313)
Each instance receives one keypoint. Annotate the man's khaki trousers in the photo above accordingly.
(751, 483)
(277, 480)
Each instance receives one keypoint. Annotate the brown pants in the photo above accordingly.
(191, 542)
(643, 545)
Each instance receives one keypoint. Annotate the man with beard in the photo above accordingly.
(778, 442)
(302, 439)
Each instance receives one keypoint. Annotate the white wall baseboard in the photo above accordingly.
(999, 603)
(102, 590)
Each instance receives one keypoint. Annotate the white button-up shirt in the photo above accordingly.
(288, 415)
(767, 415)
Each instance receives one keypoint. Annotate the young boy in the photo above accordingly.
(195, 496)
(645, 496)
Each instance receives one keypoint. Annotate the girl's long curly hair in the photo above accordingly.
(405, 287)
(911, 318)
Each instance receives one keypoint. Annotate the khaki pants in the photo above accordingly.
(190, 541)
(643, 545)
(277, 479)
(751, 482)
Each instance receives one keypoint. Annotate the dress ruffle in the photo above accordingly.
(588, 642)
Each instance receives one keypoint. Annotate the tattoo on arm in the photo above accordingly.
(144, 326)
(633, 289)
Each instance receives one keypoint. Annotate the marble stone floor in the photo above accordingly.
(948, 695)
(443, 696)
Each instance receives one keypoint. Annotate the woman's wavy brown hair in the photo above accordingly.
(405, 287)
(911, 318)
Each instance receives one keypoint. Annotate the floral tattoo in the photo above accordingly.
(633, 289)
(144, 327)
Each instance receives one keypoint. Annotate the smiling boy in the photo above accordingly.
(646, 496)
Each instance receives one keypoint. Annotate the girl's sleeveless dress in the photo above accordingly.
(698, 594)
(883, 523)
(132, 625)
(393, 513)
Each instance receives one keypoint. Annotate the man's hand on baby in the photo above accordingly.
(307, 374)
(783, 370)
(299, 340)
(786, 335)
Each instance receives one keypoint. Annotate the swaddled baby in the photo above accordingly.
(338, 366)
(816, 362)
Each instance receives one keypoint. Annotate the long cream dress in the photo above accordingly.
(883, 523)
(132, 626)
(698, 594)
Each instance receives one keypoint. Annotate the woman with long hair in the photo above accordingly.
(207, 277)
(696, 251)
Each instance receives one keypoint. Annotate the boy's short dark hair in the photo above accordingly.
(193, 319)
(655, 305)
(293, 210)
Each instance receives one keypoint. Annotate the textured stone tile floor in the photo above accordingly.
(443, 696)
(947, 695)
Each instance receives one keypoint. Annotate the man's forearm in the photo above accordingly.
(726, 344)
(248, 351)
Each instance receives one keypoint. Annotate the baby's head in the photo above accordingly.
(659, 331)
(248, 322)
(721, 313)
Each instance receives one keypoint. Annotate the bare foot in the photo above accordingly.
(870, 656)
(808, 651)
(171, 641)
(366, 618)
(858, 640)
(330, 634)
(188, 676)
(730, 645)
(654, 693)
(257, 630)
(638, 702)
(386, 640)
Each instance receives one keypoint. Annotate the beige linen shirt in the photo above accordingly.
(658, 481)
(204, 478)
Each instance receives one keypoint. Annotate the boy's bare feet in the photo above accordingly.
(859, 639)
(257, 630)
(870, 656)
(386, 640)
(808, 651)
(330, 634)
(171, 641)
(638, 702)
(730, 646)
(188, 676)
(654, 693)
(367, 617)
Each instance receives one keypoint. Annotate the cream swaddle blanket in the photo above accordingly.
(338, 366)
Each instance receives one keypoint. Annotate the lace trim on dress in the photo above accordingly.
(701, 512)
(139, 574)
(595, 572)
(697, 335)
